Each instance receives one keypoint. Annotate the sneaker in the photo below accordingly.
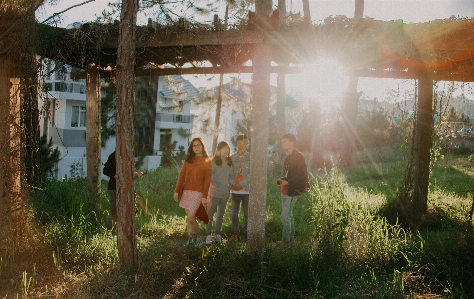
(209, 239)
(198, 243)
(234, 236)
(218, 238)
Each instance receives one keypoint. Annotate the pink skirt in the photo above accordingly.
(190, 200)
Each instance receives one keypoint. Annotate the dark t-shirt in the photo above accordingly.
(110, 169)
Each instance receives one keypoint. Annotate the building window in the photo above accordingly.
(60, 86)
(78, 118)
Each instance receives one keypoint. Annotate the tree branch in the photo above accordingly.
(61, 12)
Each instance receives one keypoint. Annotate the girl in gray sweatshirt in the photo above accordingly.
(219, 191)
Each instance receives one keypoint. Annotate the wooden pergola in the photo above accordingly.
(439, 50)
(366, 48)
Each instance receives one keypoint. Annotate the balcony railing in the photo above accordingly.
(175, 118)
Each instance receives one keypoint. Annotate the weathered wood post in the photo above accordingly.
(126, 55)
(4, 129)
(259, 140)
(93, 140)
(422, 149)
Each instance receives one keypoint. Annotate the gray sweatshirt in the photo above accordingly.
(245, 183)
(220, 186)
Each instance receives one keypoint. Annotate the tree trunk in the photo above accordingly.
(30, 134)
(259, 139)
(352, 102)
(4, 133)
(280, 104)
(93, 142)
(126, 230)
(218, 115)
(347, 145)
(423, 141)
(359, 9)
(306, 13)
(316, 142)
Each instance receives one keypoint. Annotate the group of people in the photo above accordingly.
(208, 182)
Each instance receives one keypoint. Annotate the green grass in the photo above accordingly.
(344, 248)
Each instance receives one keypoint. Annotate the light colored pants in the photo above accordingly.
(236, 200)
(218, 204)
(287, 204)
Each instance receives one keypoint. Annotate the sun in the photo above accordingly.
(323, 80)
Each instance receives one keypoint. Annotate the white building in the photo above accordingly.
(63, 102)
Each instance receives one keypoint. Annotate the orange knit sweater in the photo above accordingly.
(195, 176)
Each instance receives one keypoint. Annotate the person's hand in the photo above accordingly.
(138, 174)
(283, 183)
(175, 197)
(204, 201)
(237, 186)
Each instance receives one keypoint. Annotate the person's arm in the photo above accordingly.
(181, 180)
(245, 183)
(207, 182)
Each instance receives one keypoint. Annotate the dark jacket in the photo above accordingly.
(110, 169)
(296, 173)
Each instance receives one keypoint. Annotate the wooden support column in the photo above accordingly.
(15, 162)
(280, 105)
(126, 56)
(259, 135)
(93, 140)
(423, 142)
(4, 129)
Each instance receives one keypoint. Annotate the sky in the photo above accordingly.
(330, 82)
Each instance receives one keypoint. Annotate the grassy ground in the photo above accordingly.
(344, 248)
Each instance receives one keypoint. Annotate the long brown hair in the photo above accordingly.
(192, 155)
(218, 157)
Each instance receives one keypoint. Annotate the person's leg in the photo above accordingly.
(287, 204)
(210, 213)
(221, 206)
(245, 208)
(235, 212)
(292, 219)
(191, 224)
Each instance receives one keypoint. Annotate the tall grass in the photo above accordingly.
(344, 248)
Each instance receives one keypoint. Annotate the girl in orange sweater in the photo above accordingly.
(194, 181)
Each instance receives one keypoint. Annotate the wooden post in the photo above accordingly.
(93, 140)
(217, 121)
(280, 105)
(126, 55)
(4, 129)
(423, 141)
(259, 136)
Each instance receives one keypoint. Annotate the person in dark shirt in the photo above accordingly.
(110, 170)
(293, 183)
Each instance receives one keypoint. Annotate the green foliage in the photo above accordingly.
(373, 126)
(107, 112)
(344, 248)
(48, 157)
(167, 148)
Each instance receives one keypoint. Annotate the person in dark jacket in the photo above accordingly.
(293, 183)
(110, 169)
